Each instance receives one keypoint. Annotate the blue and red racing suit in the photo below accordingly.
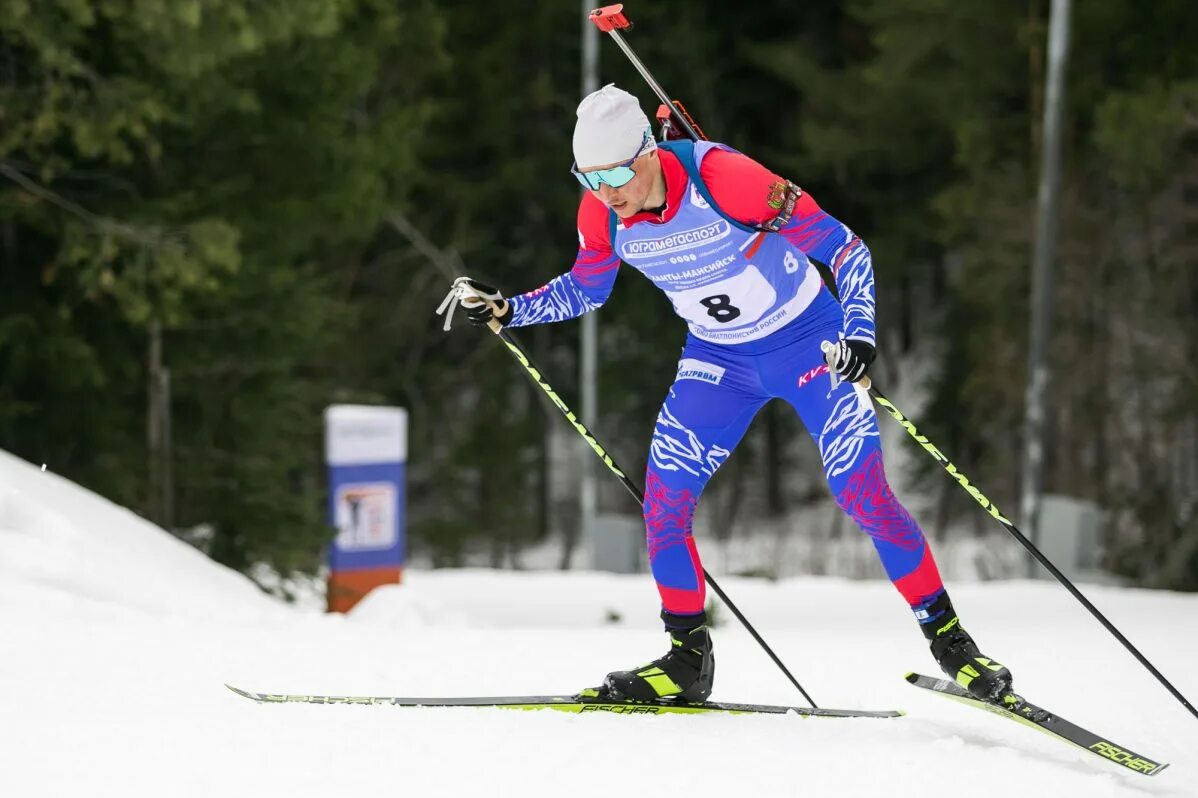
(757, 312)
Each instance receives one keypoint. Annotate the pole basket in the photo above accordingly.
(610, 18)
(671, 131)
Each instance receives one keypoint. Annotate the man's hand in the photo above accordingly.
(851, 358)
(482, 303)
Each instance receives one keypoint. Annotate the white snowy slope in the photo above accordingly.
(115, 642)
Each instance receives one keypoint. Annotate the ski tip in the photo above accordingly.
(911, 676)
(242, 693)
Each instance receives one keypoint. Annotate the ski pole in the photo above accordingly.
(989, 507)
(537, 376)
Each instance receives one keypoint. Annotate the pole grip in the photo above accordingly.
(610, 18)
(826, 347)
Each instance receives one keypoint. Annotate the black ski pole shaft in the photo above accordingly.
(537, 376)
(611, 20)
(988, 505)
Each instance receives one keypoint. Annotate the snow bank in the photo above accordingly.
(64, 546)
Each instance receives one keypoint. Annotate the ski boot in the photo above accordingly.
(684, 675)
(958, 656)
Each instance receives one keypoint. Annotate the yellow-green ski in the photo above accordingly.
(1029, 714)
(584, 702)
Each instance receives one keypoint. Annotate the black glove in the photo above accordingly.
(486, 304)
(851, 358)
(482, 303)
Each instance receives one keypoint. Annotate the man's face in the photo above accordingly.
(629, 198)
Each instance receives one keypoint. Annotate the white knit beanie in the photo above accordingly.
(611, 127)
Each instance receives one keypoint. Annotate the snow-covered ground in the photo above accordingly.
(116, 639)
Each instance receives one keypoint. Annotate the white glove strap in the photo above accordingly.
(461, 292)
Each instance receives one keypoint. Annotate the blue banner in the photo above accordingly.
(366, 451)
(367, 507)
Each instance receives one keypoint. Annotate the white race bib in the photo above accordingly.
(730, 303)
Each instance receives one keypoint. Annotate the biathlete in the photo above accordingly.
(731, 244)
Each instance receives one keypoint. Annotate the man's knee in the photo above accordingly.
(668, 506)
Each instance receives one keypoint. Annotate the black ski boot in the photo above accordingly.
(958, 656)
(684, 675)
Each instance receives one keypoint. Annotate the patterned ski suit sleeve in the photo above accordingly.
(583, 288)
(743, 188)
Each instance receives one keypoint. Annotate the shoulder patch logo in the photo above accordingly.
(776, 195)
(697, 198)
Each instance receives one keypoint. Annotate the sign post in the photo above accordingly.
(366, 449)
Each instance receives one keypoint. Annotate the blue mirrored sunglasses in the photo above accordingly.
(615, 176)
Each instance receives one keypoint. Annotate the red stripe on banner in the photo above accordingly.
(347, 588)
